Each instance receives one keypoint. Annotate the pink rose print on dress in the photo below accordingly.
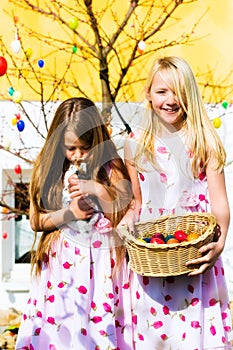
(213, 302)
(52, 347)
(93, 305)
(189, 201)
(107, 307)
(163, 336)
(166, 310)
(163, 178)
(96, 319)
(194, 301)
(51, 298)
(182, 317)
(117, 324)
(51, 320)
(167, 297)
(190, 288)
(39, 314)
(145, 280)
(126, 286)
(97, 244)
(77, 251)
(141, 177)
(67, 265)
(103, 333)
(103, 225)
(195, 324)
(157, 324)
(140, 337)
(212, 330)
(66, 244)
(202, 176)
(153, 311)
(134, 319)
(163, 150)
(110, 295)
(37, 331)
(82, 290)
(61, 284)
(83, 331)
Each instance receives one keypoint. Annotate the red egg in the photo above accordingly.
(3, 66)
(156, 240)
(180, 235)
(18, 169)
(158, 235)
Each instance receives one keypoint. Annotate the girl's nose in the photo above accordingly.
(171, 98)
(78, 154)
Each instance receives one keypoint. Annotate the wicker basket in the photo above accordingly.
(162, 260)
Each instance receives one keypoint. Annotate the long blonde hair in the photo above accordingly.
(201, 136)
(81, 116)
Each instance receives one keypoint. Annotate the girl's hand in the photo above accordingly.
(78, 187)
(81, 208)
(210, 253)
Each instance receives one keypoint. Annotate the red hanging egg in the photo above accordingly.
(4, 235)
(3, 66)
(18, 169)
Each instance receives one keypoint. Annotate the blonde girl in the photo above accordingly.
(176, 164)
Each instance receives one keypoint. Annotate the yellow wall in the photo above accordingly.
(212, 51)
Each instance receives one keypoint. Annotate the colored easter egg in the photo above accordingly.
(192, 236)
(18, 169)
(73, 23)
(20, 125)
(40, 63)
(17, 96)
(217, 122)
(180, 235)
(3, 66)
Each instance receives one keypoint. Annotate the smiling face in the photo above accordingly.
(165, 102)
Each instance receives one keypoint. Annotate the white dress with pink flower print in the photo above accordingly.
(182, 312)
(78, 303)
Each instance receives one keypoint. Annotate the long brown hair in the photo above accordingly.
(81, 116)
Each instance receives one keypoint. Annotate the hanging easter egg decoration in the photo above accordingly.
(20, 125)
(73, 23)
(3, 66)
(17, 96)
(4, 235)
(28, 53)
(11, 91)
(225, 104)
(141, 47)
(16, 46)
(14, 121)
(74, 49)
(41, 63)
(18, 169)
(5, 210)
(217, 122)
(18, 116)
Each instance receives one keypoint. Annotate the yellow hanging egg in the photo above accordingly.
(217, 122)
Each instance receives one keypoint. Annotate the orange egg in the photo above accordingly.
(192, 236)
(172, 240)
